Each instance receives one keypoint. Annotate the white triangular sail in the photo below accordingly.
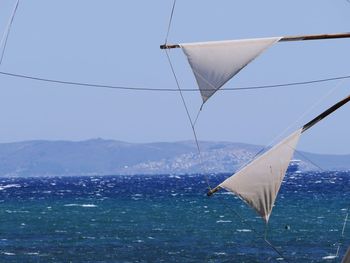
(215, 63)
(258, 183)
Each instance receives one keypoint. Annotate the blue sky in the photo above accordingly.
(117, 43)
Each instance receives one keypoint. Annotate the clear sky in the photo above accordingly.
(117, 43)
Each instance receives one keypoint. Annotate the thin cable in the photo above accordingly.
(250, 226)
(170, 21)
(270, 244)
(289, 84)
(304, 114)
(307, 159)
(197, 117)
(179, 89)
(15, 75)
(82, 83)
(276, 250)
(188, 115)
(4, 39)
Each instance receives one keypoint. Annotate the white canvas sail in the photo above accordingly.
(259, 182)
(215, 63)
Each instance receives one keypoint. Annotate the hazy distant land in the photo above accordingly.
(109, 157)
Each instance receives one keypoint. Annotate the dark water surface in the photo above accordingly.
(167, 219)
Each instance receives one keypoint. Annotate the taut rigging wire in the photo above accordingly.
(5, 37)
(170, 21)
(188, 115)
(77, 83)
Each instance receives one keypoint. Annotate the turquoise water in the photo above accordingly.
(167, 219)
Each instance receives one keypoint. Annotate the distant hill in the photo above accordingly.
(108, 157)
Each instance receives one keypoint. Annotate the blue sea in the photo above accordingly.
(169, 219)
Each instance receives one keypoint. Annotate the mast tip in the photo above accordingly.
(213, 191)
(166, 46)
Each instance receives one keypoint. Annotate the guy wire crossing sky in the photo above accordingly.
(117, 43)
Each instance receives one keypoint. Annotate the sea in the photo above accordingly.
(169, 218)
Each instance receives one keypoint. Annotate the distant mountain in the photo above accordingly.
(108, 157)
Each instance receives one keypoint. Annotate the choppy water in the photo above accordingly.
(167, 219)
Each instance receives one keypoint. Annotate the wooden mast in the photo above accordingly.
(325, 113)
(286, 39)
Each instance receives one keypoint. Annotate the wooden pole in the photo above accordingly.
(326, 113)
(346, 257)
(315, 37)
(286, 39)
(213, 191)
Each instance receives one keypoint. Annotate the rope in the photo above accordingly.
(258, 235)
(197, 117)
(188, 115)
(4, 39)
(170, 21)
(307, 159)
(275, 249)
(42, 79)
(81, 83)
(306, 112)
(285, 130)
(290, 84)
